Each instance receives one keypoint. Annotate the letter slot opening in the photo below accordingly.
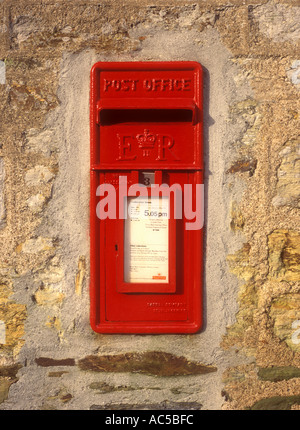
(121, 116)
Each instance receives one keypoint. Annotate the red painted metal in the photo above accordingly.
(145, 117)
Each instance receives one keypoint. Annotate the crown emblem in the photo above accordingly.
(146, 140)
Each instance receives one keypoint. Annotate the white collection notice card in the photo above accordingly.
(146, 250)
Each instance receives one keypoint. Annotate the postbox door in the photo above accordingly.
(146, 254)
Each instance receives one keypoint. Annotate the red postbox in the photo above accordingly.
(146, 204)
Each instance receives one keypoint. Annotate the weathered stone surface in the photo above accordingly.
(239, 263)
(48, 362)
(62, 395)
(43, 142)
(2, 72)
(103, 387)
(8, 376)
(284, 255)
(81, 272)
(2, 199)
(10, 371)
(283, 403)
(14, 315)
(36, 245)
(153, 363)
(243, 166)
(51, 273)
(285, 315)
(48, 296)
(36, 202)
(243, 327)
(5, 289)
(276, 374)
(57, 374)
(38, 175)
(293, 74)
(245, 389)
(246, 112)
(54, 322)
(4, 389)
(237, 220)
(288, 176)
(279, 22)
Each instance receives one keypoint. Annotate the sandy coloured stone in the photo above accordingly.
(2, 196)
(239, 263)
(14, 315)
(36, 203)
(41, 141)
(284, 255)
(80, 275)
(38, 175)
(150, 362)
(279, 22)
(285, 315)
(35, 245)
(48, 296)
(237, 220)
(288, 176)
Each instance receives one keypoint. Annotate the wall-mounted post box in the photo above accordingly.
(146, 205)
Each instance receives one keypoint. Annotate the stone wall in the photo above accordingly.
(247, 356)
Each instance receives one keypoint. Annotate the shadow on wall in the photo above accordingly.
(208, 121)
